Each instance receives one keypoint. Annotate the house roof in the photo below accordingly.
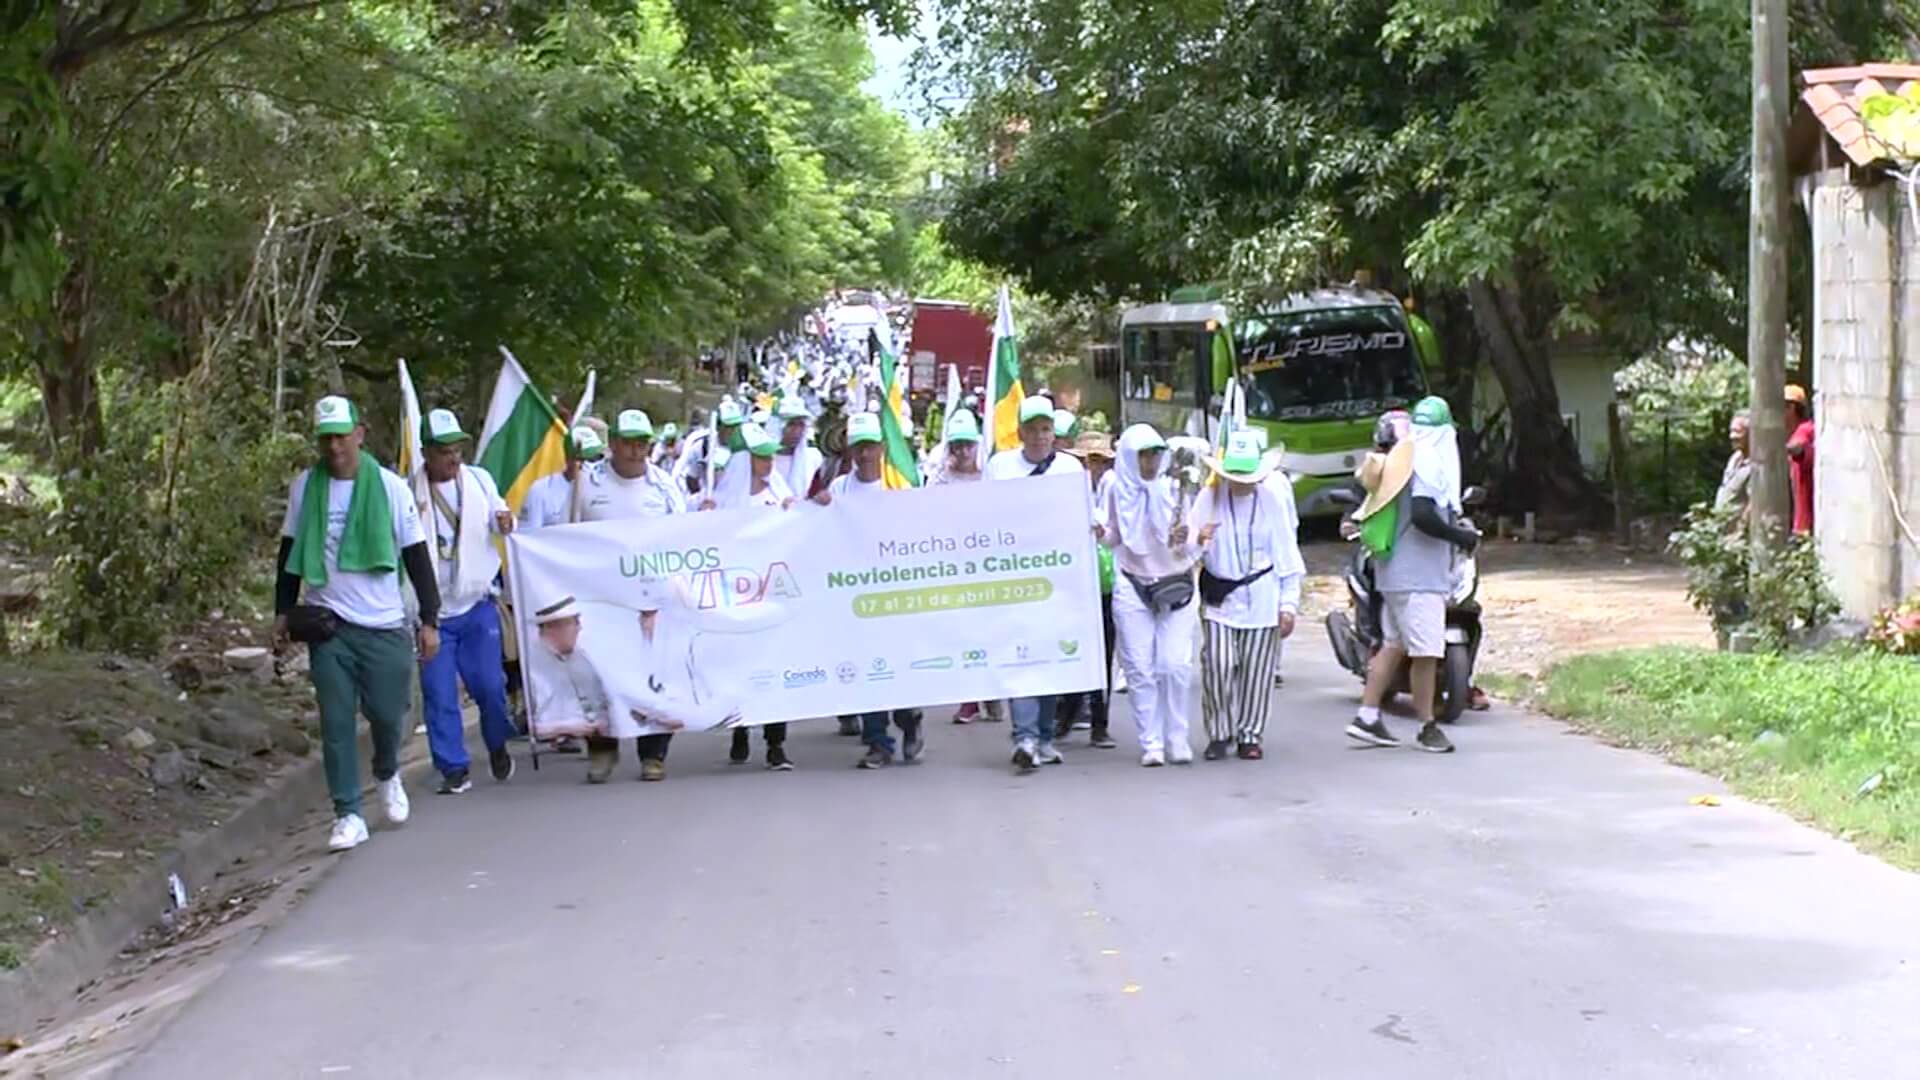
(1831, 100)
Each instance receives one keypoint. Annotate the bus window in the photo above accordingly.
(1326, 365)
(1160, 363)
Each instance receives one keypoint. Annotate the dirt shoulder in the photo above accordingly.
(1547, 602)
(110, 760)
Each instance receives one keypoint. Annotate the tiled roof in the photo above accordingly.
(1833, 96)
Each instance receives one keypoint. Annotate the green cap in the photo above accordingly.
(443, 428)
(1033, 408)
(334, 415)
(1063, 422)
(632, 424)
(962, 427)
(791, 408)
(1433, 412)
(729, 412)
(669, 431)
(1242, 454)
(587, 445)
(862, 428)
(759, 443)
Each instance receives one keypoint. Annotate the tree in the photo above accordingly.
(1563, 166)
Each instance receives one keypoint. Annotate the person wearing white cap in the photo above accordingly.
(1249, 590)
(864, 445)
(568, 695)
(625, 487)
(666, 449)
(690, 472)
(550, 499)
(1065, 427)
(959, 459)
(1153, 610)
(1035, 456)
(752, 481)
(350, 527)
(467, 516)
(796, 461)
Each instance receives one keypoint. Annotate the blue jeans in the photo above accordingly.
(873, 727)
(1033, 719)
(470, 653)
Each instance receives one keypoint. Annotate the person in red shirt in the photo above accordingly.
(1800, 458)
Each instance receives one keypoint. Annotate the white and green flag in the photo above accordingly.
(523, 439)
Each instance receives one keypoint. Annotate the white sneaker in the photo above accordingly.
(1047, 755)
(1180, 754)
(349, 832)
(393, 799)
(1152, 759)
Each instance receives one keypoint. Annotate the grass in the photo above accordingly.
(1832, 738)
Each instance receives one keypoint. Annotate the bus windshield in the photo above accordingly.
(1325, 365)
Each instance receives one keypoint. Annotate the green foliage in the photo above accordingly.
(171, 518)
(1772, 598)
(1896, 631)
(1679, 404)
(1832, 736)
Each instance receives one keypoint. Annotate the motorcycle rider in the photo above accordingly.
(1414, 576)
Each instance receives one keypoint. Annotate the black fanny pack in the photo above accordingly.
(1165, 594)
(1214, 589)
(311, 624)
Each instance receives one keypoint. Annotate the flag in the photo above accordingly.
(952, 404)
(585, 408)
(1004, 393)
(523, 438)
(409, 458)
(899, 468)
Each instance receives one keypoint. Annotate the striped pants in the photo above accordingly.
(1237, 680)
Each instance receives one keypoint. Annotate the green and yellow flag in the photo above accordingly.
(900, 468)
(1004, 392)
(523, 439)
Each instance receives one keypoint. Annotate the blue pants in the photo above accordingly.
(1033, 719)
(873, 727)
(470, 650)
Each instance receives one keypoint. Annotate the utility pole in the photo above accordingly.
(1767, 277)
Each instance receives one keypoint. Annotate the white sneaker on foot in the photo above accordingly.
(1179, 754)
(349, 832)
(1047, 755)
(393, 800)
(1152, 759)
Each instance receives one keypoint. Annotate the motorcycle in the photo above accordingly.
(1356, 635)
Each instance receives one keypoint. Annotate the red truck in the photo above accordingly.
(948, 332)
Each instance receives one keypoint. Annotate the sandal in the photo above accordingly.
(1250, 752)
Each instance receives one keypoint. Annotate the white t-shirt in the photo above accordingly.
(1013, 465)
(549, 501)
(850, 484)
(488, 555)
(364, 599)
(612, 497)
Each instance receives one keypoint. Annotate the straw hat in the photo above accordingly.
(1243, 460)
(1385, 476)
(1092, 444)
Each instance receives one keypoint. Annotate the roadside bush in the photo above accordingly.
(1725, 580)
(1896, 631)
(168, 520)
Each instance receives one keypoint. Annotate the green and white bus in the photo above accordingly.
(1318, 369)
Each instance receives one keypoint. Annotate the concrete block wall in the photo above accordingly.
(1867, 388)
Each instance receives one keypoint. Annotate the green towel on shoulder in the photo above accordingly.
(366, 541)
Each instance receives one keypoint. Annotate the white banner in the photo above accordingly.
(895, 599)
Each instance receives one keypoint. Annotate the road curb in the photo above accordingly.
(42, 988)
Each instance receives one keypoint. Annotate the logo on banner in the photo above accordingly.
(793, 680)
(1068, 648)
(879, 670)
(974, 658)
(932, 663)
(846, 671)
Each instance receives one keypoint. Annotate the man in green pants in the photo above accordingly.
(350, 527)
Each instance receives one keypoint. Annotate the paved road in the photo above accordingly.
(1534, 906)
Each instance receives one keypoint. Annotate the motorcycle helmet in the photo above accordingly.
(1391, 428)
